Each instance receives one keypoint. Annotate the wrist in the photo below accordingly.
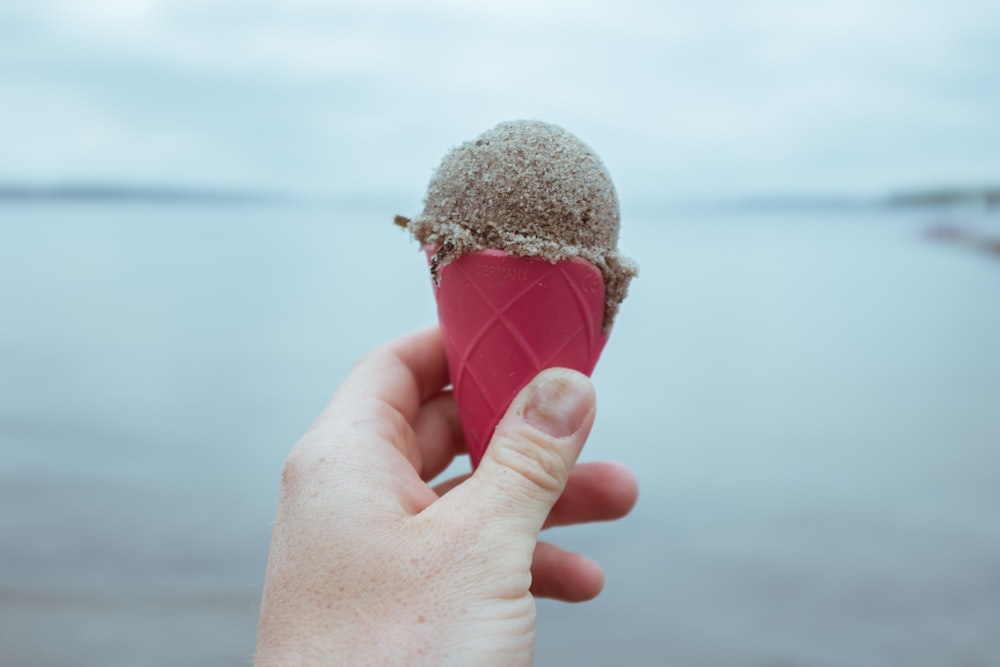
(351, 637)
(363, 637)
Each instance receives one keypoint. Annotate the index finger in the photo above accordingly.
(402, 373)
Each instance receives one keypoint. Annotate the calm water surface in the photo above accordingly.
(811, 400)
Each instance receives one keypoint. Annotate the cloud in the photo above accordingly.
(340, 97)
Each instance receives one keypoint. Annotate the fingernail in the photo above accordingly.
(560, 405)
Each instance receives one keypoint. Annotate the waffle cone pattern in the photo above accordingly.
(504, 319)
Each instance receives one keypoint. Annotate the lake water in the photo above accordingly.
(810, 398)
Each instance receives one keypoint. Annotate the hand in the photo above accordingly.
(369, 565)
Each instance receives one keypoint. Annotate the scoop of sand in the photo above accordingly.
(531, 189)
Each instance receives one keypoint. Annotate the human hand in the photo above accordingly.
(369, 565)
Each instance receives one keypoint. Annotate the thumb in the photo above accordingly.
(534, 447)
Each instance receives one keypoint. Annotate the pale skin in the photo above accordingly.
(371, 565)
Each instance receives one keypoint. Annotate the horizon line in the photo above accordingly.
(986, 196)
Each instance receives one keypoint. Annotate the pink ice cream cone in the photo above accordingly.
(521, 230)
(504, 319)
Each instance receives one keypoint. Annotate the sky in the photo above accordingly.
(682, 100)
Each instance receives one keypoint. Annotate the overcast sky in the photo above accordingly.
(681, 99)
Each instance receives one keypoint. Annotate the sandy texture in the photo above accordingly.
(531, 189)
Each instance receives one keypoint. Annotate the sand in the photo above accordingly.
(531, 189)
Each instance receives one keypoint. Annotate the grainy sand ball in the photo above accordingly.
(531, 189)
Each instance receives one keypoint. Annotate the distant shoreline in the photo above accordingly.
(988, 197)
(127, 194)
(985, 198)
(932, 198)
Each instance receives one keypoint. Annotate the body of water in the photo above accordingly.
(810, 398)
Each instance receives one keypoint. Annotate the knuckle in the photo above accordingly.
(384, 421)
(540, 465)
(297, 466)
(306, 461)
(291, 474)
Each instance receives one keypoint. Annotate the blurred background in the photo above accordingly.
(196, 245)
